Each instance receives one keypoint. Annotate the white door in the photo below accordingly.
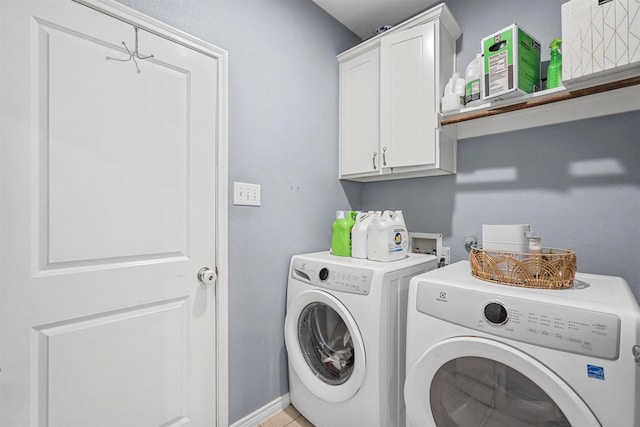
(108, 211)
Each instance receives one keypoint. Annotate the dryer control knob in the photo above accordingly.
(495, 313)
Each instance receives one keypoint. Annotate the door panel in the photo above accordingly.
(359, 116)
(88, 134)
(107, 213)
(408, 98)
(118, 344)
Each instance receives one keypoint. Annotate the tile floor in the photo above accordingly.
(288, 417)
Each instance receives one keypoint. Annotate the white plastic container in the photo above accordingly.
(453, 94)
(473, 82)
(359, 234)
(506, 237)
(387, 237)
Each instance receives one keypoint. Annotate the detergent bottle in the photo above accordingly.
(473, 82)
(387, 238)
(401, 240)
(359, 234)
(554, 71)
(341, 233)
(453, 97)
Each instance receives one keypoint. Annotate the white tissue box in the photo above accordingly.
(600, 40)
(505, 237)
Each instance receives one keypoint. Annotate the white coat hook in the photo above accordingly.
(133, 55)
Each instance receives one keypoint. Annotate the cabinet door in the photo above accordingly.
(359, 114)
(408, 98)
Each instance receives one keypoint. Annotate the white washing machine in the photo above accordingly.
(483, 354)
(345, 331)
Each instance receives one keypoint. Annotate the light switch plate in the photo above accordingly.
(245, 194)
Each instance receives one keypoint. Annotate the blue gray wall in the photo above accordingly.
(576, 183)
(283, 133)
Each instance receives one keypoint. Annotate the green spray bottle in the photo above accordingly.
(341, 233)
(554, 71)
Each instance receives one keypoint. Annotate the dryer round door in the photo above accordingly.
(324, 346)
(472, 381)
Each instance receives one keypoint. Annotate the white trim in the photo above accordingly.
(222, 249)
(159, 28)
(131, 16)
(264, 413)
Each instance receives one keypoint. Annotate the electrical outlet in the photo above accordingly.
(246, 194)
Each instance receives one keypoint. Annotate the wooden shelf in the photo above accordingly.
(547, 107)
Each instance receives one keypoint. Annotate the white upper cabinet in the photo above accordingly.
(390, 88)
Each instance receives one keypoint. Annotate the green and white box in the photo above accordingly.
(511, 65)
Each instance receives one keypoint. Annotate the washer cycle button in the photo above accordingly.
(495, 313)
(324, 274)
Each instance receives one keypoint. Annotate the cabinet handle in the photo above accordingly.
(384, 156)
(375, 153)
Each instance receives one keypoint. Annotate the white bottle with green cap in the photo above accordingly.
(473, 82)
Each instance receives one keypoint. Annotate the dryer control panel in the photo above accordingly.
(341, 278)
(553, 326)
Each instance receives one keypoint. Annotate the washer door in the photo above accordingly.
(324, 346)
(471, 381)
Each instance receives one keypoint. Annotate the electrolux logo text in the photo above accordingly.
(442, 297)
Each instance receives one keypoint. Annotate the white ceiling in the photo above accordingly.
(363, 17)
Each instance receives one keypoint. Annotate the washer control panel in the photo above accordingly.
(559, 327)
(341, 278)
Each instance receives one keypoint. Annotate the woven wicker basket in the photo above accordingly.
(550, 269)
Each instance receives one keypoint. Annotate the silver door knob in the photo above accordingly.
(207, 276)
(636, 354)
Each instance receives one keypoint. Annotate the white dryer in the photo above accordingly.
(345, 331)
(483, 354)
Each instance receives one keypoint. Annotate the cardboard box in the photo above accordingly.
(600, 38)
(511, 63)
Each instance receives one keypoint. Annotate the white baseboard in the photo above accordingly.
(264, 413)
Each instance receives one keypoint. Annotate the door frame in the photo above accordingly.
(158, 28)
